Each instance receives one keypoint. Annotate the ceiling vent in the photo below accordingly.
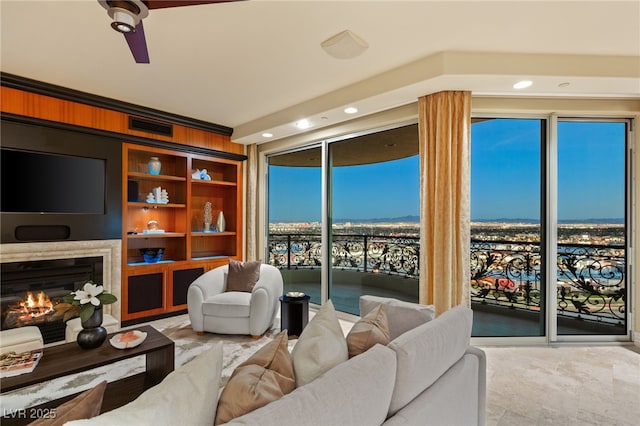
(149, 126)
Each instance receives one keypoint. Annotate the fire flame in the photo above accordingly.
(38, 305)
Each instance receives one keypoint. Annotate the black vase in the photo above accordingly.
(92, 334)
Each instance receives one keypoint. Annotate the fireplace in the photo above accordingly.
(31, 289)
(35, 276)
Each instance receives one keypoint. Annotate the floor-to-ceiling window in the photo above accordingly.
(549, 227)
(295, 218)
(374, 186)
(371, 222)
(506, 200)
(591, 227)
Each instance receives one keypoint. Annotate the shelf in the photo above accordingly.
(143, 263)
(220, 256)
(147, 176)
(156, 205)
(162, 235)
(150, 289)
(213, 182)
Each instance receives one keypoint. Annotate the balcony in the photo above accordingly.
(506, 291)
(361, 264)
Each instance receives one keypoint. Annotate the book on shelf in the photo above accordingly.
(13, 364)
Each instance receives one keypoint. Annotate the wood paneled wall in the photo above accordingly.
(34, 105)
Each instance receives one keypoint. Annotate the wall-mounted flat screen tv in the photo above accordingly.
(37, 182)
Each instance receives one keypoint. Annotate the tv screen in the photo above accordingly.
(35, 182)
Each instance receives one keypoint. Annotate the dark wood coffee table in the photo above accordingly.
(63, 360)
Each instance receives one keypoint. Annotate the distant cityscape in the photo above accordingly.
(593, 232)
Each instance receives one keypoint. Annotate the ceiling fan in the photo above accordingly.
(127, 18)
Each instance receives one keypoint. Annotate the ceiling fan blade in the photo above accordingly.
(162, 4)
(138, 44)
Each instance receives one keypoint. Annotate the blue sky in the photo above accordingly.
(505, 178)
(505, 172)
(372, 191)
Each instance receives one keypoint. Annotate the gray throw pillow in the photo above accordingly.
(243, 276)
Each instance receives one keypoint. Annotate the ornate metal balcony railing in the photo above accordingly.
(364, 253)
(591, 278)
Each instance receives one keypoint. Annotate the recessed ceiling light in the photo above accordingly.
(523, 84)
(267, 135)
(351, 110)
(303, 124)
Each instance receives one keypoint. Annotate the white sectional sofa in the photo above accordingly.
(427, 375)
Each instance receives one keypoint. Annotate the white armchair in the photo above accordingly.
(214, 310)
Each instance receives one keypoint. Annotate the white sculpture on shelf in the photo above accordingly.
(158, 196)
(200, 175)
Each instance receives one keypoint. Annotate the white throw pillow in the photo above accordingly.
(402, 316)
(321, 346)
(188, 395)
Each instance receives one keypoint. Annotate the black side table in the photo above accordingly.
(294, 314)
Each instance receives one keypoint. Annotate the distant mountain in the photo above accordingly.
(506, 220)
(565, 221)
(381, 220)
(416, 219)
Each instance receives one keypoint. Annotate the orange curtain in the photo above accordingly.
(251, 201)
(444, 131)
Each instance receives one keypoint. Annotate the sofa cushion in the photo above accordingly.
(84, 406)
(427, 351)
(402, 316)
(452, 400)
(265, 377)
(242, 276)
(320, 347)
(356, 392)
(188, 395)
(235, 304)
(368, 331)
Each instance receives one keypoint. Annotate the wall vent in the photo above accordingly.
(143, 125)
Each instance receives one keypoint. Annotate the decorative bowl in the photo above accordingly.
(128, 339)
(152, 255)
(295, 294)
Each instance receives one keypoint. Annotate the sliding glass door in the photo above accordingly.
(507, 286)
(294, 216)
(591, 229)
(368, 216)
(373, 217)
(549, 234)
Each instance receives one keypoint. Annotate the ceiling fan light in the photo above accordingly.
(126, 14)
(123, 21)
(344, 45)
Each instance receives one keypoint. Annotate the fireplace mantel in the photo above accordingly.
(109, 250)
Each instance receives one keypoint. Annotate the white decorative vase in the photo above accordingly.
(220, 224)
(154, 165)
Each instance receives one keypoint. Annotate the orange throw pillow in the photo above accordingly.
(371, 329)
(265, 377)
(83, 406)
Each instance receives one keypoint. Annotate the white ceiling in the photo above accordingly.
(257, 65)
